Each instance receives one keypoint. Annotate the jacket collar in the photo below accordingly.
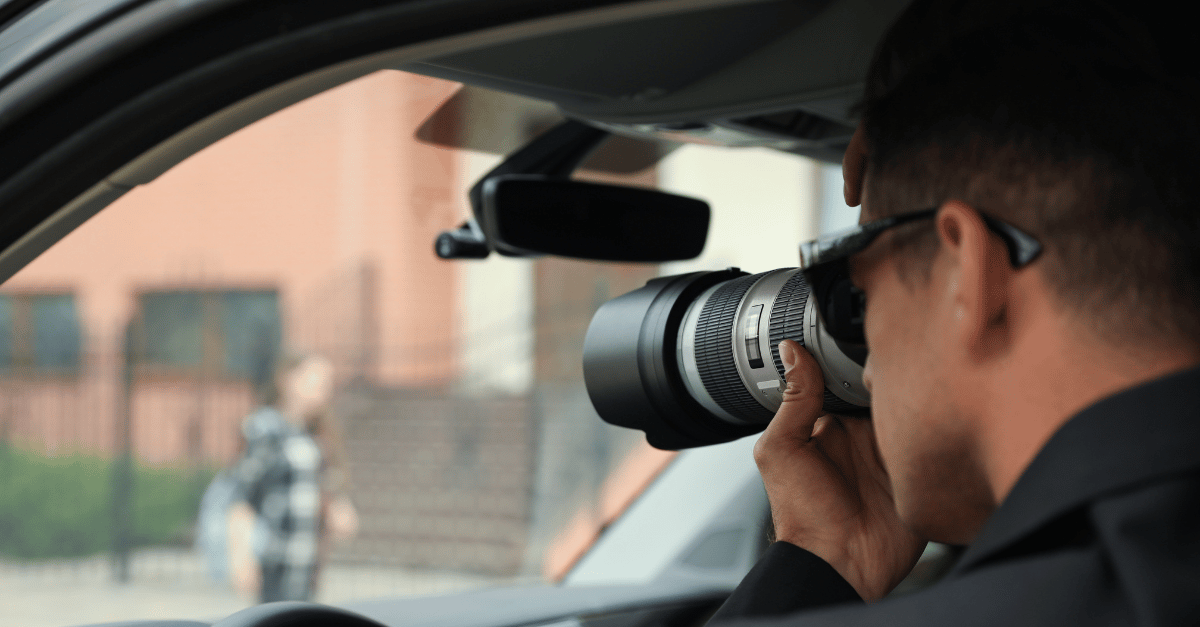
(1137, 435)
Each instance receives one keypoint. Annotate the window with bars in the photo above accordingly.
(214, 332)
(40, 333)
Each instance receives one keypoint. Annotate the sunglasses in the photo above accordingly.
(826, 265)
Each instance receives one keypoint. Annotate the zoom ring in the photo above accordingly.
(787, 316)
(787, 323)
(714, 352)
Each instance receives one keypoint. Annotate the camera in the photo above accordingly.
(693, 359)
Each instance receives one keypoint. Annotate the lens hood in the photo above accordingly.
(630, 367)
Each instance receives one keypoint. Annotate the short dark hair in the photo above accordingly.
(1063, 120)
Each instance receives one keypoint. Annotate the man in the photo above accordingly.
(1033, 321)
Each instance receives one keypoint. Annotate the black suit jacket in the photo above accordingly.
(1103, 528)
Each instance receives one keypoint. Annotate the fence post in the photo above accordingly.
(122, 479)
(367, 342)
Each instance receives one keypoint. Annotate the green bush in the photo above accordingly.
(63, 506)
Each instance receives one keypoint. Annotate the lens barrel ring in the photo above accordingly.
(787, 316)
(715, 357)
(787, 323)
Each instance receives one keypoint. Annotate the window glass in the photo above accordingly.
(444, 433)
(228, 332)
(56, 335)
(172, 328)
(251, 329)
(40, 333)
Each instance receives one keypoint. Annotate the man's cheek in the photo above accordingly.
(866, 375)
(888, 438)
(887, 411)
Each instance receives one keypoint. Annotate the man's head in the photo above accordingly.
(1064, 122)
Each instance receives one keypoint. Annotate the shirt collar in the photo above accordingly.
(1134, 436)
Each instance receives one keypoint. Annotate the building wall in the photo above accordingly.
(765, 204)
(331, 202)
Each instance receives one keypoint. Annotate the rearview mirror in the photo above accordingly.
(531, 214)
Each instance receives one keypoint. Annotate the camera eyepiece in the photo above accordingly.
(693, 359)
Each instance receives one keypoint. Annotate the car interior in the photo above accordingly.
(101, 98)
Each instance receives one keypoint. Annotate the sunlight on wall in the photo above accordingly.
(763, 204)
(496, 310)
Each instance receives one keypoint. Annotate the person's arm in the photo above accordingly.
(786, 579)
(244, 570)
(829, 492)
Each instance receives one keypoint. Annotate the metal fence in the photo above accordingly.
(102, 467)
(441, 479)
(439, 482)
(452, 490)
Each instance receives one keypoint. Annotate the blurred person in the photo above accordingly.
(339, 517)
(275, 528)
(1029, 257)
(212, 525)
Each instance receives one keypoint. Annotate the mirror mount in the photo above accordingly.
(465, 242)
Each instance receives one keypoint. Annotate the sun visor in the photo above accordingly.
(499, 123)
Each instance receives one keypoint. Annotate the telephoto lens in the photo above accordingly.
(693, 359)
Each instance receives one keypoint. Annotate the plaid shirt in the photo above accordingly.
(279, 477)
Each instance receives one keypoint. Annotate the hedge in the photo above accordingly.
(61, 506)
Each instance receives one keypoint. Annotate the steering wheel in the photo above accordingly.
(295, 614)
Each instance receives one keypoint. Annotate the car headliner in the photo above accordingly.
(719, 61)
(728, 73)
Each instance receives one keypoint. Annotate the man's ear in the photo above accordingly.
(854, 166)
(978, 278)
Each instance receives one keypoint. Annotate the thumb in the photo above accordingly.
(803, 398)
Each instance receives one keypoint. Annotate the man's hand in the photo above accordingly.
(341, 519)
(828, 489)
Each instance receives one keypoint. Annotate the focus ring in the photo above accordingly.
(715, 356)
(787, 323)
(787, 316)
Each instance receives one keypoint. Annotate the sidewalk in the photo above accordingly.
(172, 584)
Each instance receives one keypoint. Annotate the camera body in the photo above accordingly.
(693, 359)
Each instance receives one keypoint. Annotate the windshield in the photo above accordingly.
(280, 286)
